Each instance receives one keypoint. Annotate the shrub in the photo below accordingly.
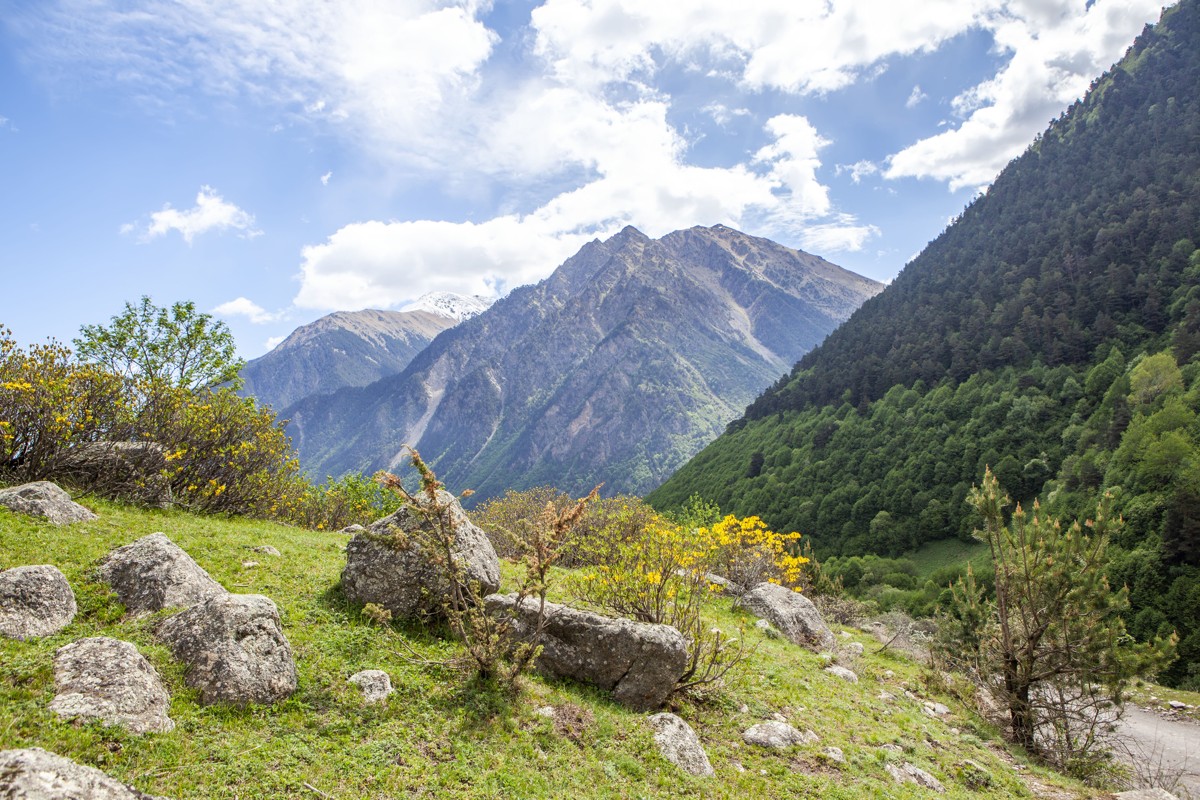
(504, 519)
(353, 499)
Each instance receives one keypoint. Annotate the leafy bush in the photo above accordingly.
(353, 499)
(504, 519)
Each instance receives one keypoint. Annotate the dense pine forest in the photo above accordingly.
(1050, 332)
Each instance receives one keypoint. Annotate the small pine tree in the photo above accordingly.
(1050, 646)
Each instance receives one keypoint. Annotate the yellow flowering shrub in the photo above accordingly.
(746, 552)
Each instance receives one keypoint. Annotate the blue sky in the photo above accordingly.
(274, 162)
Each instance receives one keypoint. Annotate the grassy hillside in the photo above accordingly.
(440, 736)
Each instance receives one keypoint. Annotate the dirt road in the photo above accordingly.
(1165, 746)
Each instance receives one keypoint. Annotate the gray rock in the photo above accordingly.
(233, 648)
(853, 648)
(1146, 794)
(680, 745)
(376, 685)
(266, 550)
(34, 601)
(843, 673)
(728, 587)
(45, 499)
(35, 774)
(835, 754)
(109, 680)
(936, 709)
(120, 469)
(385, 564)
(154, 573)
(638, 661)
(791, 612)
(777, 735)
(767, 629)
(908, 773)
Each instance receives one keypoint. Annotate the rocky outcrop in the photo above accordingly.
(637, 661)
(233, 648)
(793, 614)
(36, 774)
(109, 680)
(375, 684)
(680, 745)
(45, 499)
(776, 735)
(387, 565)
(154, 573)
(34, 601)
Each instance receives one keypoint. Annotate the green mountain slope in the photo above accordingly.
(995, 346)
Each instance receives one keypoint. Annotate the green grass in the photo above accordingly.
(938, 555)
(441, 735)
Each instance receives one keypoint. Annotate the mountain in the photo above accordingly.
(1051, 332)
(346, 348)
(447, 304)
(616, 368)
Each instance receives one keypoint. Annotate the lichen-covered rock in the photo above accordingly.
(34, 601)
(36, 774)
(843, 673)
(777, 735)
(791, 612)
(386, 565)
(109, 680)
(154, 573)
(375, 684)
(679, 744)
(233, 648)
(45, 499)
(638, 662)
(909, 773)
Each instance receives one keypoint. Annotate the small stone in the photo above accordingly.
(936, 709)
(843, 673)
(1176, 704)
(892, 748)
(545, 711)
(887, 696)
(835, 754)
(743, 709)
(249, 564)
(679, 744)
(778, 717)
(887, 673)
(854, 648)
(908, 773)
(266, 550)
(109, 680)
(376, 685)
(777, 735)
(35, 601)
(767, 629)
(47, 500)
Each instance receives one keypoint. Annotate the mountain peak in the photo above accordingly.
(457, 307)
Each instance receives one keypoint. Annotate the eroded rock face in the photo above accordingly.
(109, 680)
(637, 661)
(154, 573)
(790, 612)
(36, 774)
(234, 649)
(45, 499)
(35, 601)
(395, 572)
(680, 745)
(776, 735)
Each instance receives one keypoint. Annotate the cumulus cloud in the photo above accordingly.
(211, 213)
(915, 97)
(1054, 53)
(244, 307)
(842, 235)
(858, 170)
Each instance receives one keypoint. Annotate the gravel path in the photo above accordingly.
(1168, 747)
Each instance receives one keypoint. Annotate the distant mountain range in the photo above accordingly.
(617, 368)
(352, 348)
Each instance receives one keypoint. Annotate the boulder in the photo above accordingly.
(638, 662)
(233, 648)
(35, 774)
(45, 499)
(154, 573)
(843, 673)
(776, 735)
(909, 773)
(34, 601)
(109, 680)
(1155, 793)
(375, 684)
(386, 565)
(791, 612)
(120, 469)
(680, 745)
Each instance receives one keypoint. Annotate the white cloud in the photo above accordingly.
(325, 178)
(243, 307)
(915, 97)
(722, 114)
(273, 342)
(794, 163)
(211, 213)
(841, 236)
(858, 170)
(1054, 54)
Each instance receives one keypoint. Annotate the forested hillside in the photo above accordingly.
(1050, 332)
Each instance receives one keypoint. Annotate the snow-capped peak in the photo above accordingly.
(447, 304)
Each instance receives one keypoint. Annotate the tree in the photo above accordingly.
(1051, 648)
(176, 346)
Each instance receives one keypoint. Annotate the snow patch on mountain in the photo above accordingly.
(447, 304)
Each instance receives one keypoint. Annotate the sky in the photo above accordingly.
(274, 162)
